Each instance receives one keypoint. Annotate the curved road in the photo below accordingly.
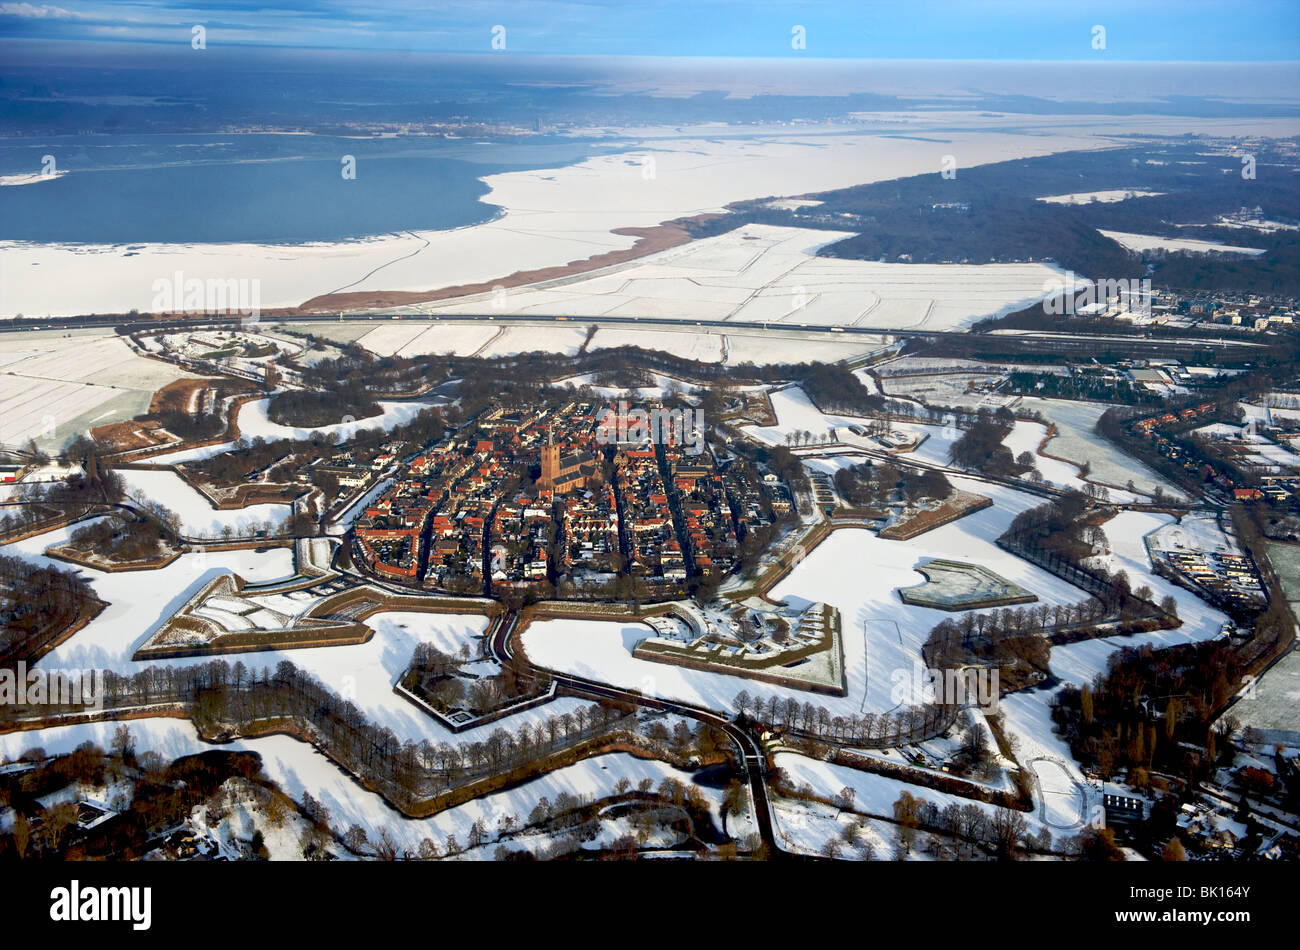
(751, 754)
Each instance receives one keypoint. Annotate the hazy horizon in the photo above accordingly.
(1166, 30)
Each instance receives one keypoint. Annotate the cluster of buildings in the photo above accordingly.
(523, 537)
(351, 468)
(1141, 305)
(1214, 831)
(525, 497)
(708, 523)
(1252, 462)
(1226, 578)
(1127, 301)
(752, 501)
(653, 551)
(1150, 424)
(1249, 311)
(589, 542)
(788, 646)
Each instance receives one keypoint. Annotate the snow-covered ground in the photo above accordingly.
(413, 336)
(296, 767)
(1147, 242)
(1195, 533)
(1027, 714)
(254, 422)
(139, 603)
(875, 795)
(54, 387)
(525, 339)
(882, 635)
(1080, 662)
(416, 337)
(1077, 441)
(1028, 436)
(1105, 197)
(363, 672)
(1064, 801)
(772, 347)
(198, 517)
(550, 216)
(410, 338)
(796, 414)
(760, 273)
(705, 347)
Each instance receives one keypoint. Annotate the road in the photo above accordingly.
(1088, 344)
(751, 755)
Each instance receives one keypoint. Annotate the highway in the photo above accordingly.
(1036, 342)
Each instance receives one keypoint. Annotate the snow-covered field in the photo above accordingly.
(705, 347)
(1105, 197)
(1028, 436)
(253, 421)
(760, 273)
(55, 386)
(363, 672)
(1147, 242)
(1081, 662)
(413, 336)
(795, 413)
(1077, 441)
(1272, 704)
(771, 347)
(410, 338)
(873, 794)
(1069, 799)
(1063, 799)
(950, 390)
(512, 340)
(139, 603)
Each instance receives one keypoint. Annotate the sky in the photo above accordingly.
(1134, 30)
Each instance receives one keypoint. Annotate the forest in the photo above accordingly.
(1153, 710)
(875, 485)
(36, 603)
(980, 447)
(307, 409)
(991, 214)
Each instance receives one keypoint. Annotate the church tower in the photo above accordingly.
(550, 464)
